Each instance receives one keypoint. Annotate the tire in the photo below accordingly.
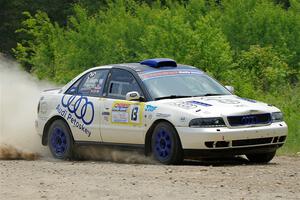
(60, 140)
(261, 157)
(166, 145)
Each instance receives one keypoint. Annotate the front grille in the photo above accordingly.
(249, 119)
(251, 141)
(245, 142)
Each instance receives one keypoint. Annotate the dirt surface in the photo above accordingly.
(227, 179)
(136, 177)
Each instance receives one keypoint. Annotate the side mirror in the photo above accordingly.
(230, 88)
(133, 96)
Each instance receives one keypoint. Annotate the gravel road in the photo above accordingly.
(227, 179)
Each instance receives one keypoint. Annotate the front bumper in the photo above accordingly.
(231, 151)
(39, 127)
(224, 139)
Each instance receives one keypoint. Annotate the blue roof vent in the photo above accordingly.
(159, 62)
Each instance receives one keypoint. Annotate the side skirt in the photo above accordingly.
(116, 146)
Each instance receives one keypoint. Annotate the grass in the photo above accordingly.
(292, 145)
(288, 100)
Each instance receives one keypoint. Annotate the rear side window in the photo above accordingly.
(121, 82)
(91, 84)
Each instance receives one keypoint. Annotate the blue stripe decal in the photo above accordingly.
(199, 103)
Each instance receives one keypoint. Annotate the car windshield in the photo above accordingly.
(180, 84)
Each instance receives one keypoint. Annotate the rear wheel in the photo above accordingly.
(261, 157)
(166, 145)
(60, 141)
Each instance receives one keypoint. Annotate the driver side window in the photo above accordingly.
(120, 83)
(91, 84)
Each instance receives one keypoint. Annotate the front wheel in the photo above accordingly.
(166, 145)
(261, 157)
(60, 141)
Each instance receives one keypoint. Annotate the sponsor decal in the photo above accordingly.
(185, 105)
(162, 115)
(119, 112)
(81, 107)
(229, 101)
(122, 107)
(225, 101)
(78, 111)
(191, 104)
(105, 116)
(150, 108)
(182, 119)
(168, 73)
(126, 113)
(199, 103)
(92, 74)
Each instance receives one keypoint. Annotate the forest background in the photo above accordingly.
(253, 45)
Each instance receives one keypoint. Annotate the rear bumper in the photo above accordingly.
(236, 140)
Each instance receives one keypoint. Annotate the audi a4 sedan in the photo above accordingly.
(168, 110)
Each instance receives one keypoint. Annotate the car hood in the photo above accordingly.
(225, 105)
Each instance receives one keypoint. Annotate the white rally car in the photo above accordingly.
(169, 110)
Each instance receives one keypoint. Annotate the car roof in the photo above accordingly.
(140, 68)
(143, 68)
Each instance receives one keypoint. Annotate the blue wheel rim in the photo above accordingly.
(163, 144)
(59, 141)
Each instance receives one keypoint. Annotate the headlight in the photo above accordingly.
(207, 122)
(277, 117)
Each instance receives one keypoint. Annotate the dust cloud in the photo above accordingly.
(99, 153)
(19, 96)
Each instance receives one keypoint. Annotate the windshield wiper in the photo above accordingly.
(208, 94)
(172, 97)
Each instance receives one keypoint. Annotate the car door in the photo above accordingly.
(122, 121)
(82, 103)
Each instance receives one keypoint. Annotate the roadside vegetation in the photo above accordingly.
(253, 45)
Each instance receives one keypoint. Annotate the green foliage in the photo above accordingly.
(125, 32)
(11, 17)
(254, 22)
(39, 52)
(259, 69)
(253, 45)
